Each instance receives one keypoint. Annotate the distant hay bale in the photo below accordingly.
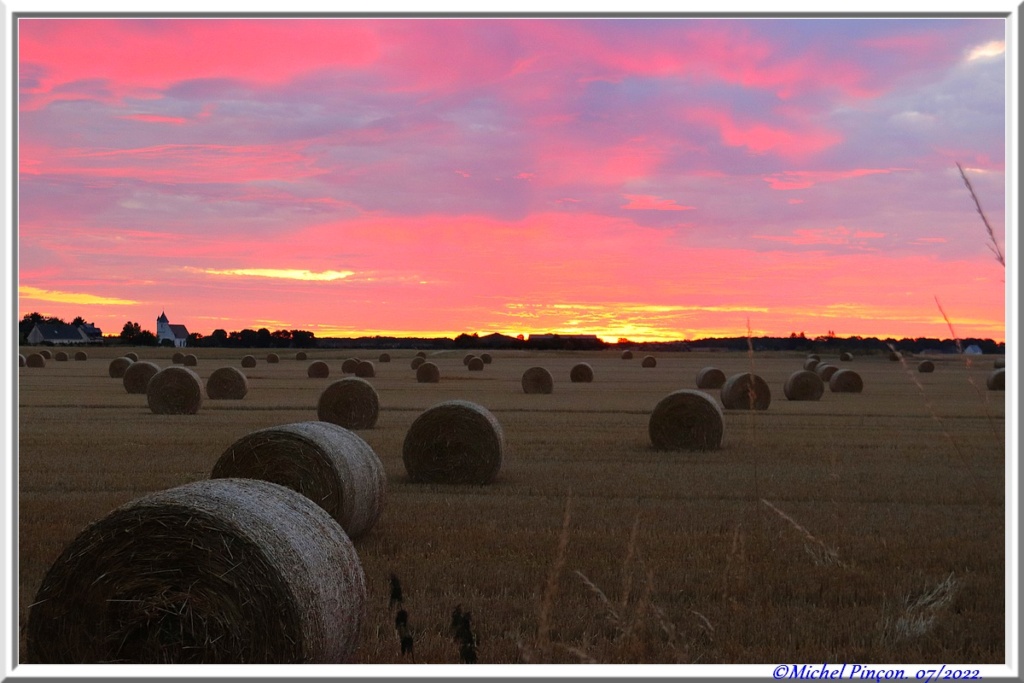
(421, 354)
(191, 360)
(273, 358)
(349, 365)
(222, 571)
(134, 357)
(846, 381)
(926, 366)
(894, 355)
(384, 358)
(649, 362)
(814, 356)
(36, 360)
(996, 381)
(825, 371)
(538, 380)
(811, 363)
(364, 368)
(175, 391)
(476, 364)
(22, 361)
(137, 375)
(999, 363)
(326, 463)
(178, 358)
(60, 356)
(45, 353)
(468, 357)
(301, 355)
(351, 403)
(227, 383)
(486, 358)
(581, 372)
(627, 355)
(710, 378)
(81, 355)
(416, 362)
(318, 369)
(686, 420)
(428, 373)
(118, 366)
(746, 391)
(455, 442)
(804, 385)
(248, 361)
(846, 356)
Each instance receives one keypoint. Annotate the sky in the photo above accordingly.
(652, 179)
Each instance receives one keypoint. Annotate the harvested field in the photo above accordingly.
(806, 537)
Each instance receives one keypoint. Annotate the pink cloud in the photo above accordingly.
(154, 118)
(649, 202)
(801, 180)
(761, 138)
(836, 236)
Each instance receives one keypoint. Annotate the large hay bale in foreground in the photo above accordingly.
(175, 391)
(846, 356)
(811, 363)
(581, 372)
(999, 363)
(349, 365)
(36, 360)
(61, 356)
(455, 442)
(81, 355)
(364, 368)
(131, 355)
(538, 380)
(137, 375)
(746, 391)
(926, 366)
(227, 383)
(825, 371)
(686, 420)
(191, 360)
(351, 403)
(178, 358)
(476, 364)
(804, 385)
(318, 369)
(649, 362)
(710, 378)
(416, 362)
(328, 464)
(996, 381)
(627, 355)
(384, 358)
(846, 381)
(273, 358)
(45, 353)
(248, 361)
(22, 361)
(224, 571)
(301, 355)
(486, 358)
(118, 366)
(428, 373)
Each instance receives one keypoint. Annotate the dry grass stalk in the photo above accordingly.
(36, 360)
(542, 641)
(917, 616)
(820, 553)
(804, 385)
(226, 571)
(710, 378)
(846, 381)
(137, 375)
(22, 361)
(686, 420)
(581, 372)
(118, 366)
(746, 391)
(81, 355)
(994, 244)
(227, 383)
(248, 361)
(428, 373)
(538, 380)
(318, 369)
(454, 442)
(175, 391)
(351, 403)
(328, 464)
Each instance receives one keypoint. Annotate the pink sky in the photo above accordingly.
(640, 178)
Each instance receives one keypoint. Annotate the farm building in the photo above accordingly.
(178, 334)
(45, 333)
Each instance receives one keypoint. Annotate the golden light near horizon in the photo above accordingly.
(280, 273)
(37, 294)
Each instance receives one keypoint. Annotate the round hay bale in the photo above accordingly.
(22, 361)
(417, 361)
(327, 464)
(384, 358)
(926, 366)
(318, 369)
(421, 354)
(349, 365)
(364, 368)
(301, 355)
(351, 403)
(175, 391)
(178, 358)
(191, 360)
(825, 371)
(710, 378)
(627, 355)
(273, 358)
(118, 366)
(486, 358)
(804, 385)
(45, 353)
(649, 362)
(223, 571)
(746, 391)
(36, 360)
(894, 356)
(468, 357)
(811, 363)
(428, 373)
(476, 364)
(846, 356)
(996, 380)
(227, 383)
(248, 361)
(455, 442)
(137, 375)
(846, 381)
(81, 355)
(814, 356)
(581, 372)
(538, 380)
(60, 356)
(131, 355)
(999, 363)
(686, 420)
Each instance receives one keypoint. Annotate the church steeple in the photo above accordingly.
(162, 318)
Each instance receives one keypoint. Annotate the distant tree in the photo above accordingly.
(130, 332)
(145, 338)
(79, 321)
(248, 338)
(218, 337)
(303, 339)
(281, 339)
(263, 338)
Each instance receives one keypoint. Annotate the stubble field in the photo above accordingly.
(859, 528)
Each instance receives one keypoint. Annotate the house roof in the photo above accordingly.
(91, 330)
(179, 331)
(52, 332)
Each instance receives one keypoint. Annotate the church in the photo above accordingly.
(176, 333)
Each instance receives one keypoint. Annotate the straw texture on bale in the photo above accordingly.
(318, 368)
(649, 362)
(22, 361)
(996, 380)
(364, 368)
(538, 380)
(846, 356)
(825, 371)
(301, 355)
(428, 373)
(118, 366)
(746, 391)
(476, 364)
(926, 366)
(804, 385)
(384, 358)
(351, 403)
(846, 381)
(137, 375)
(175, 391)
(248, 361)
(81, 355)
(455, 442)
(60, 356)
(999, 363)
(178, 358)
(328, 464)
(421, 354)
(468, 357)
(581, 372)
(227, 571)
(416, 362)
(710, 378)
(134, 357)
(627, 355)
(45, 353)
(36, 360)
(273, 358)
(486, 358)
(811, 363)
(686, 420)
(191, 360)
(227, 383)
(349, 365)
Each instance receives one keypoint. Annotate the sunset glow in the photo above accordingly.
(653, 179)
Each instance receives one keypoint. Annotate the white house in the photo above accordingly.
(176, 333)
